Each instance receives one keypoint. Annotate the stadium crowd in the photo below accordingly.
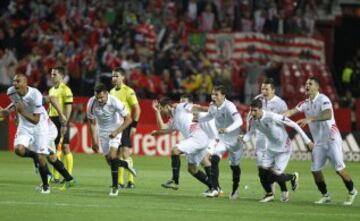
(150, 39)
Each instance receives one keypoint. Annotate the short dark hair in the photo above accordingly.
(270, 81)
(100, 88)
(220, 88)
(165, 101)
(187, 96)
(60, 69)
(119, 70)
(256, 103)
(315, 79)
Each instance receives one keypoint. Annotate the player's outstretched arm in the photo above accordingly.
(7, 110)
(162, 132)
(324, 115)
(290, 112)
(286, 121)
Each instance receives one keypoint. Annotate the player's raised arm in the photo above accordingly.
(159, 121)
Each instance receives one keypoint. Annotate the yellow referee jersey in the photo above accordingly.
(126, 95)
(64, 95)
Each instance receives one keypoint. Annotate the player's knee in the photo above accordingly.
(214, 159)
(42, 159)
(192, 170)
(175, 151)
(20, 150)
(52, 158)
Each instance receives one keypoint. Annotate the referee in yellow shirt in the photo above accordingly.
(128, 97)
(65, 97)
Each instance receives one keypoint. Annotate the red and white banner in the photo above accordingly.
(250, 47)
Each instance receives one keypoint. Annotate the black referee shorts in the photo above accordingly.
(58, 126)
(125, 138)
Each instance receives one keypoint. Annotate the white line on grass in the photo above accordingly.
(54, 204)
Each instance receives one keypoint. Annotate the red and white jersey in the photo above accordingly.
(226, 116)
(33, 103)
(182, 120)
(272, 125)
(109, 116)
(275, 105)
(321, 131)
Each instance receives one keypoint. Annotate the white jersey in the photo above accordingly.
(33, 104)
(273, 126)
(276, 105)
(109, 116)
(209, 127)
(226, 116)
(182, 120)
(322, 131)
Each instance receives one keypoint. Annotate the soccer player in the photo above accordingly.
(33, 127)
(108, 118)
(194, 145)
(65, 97)
(128, 97)
(228, 122)
(270, 102)
(278, 145)
(51, 158)
(319, 115)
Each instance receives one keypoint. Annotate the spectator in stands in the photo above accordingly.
(347, 74)
(207, 19)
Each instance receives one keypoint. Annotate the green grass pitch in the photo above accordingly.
(89, 199)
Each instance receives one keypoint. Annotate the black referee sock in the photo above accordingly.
(264, 180)
(59, 166)
(321, 187)
(201, 176)
(114, 172)
(43, 170)
(349, 185)
(215, 170)
(236, 173)
(175, 165)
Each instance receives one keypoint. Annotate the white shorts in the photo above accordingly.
(259, 154)
(53, 133)
(234, 149)
(106, 142)
(276, 161)
(35, 138)
(332, 151)
(196, 142)
(196, 157)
